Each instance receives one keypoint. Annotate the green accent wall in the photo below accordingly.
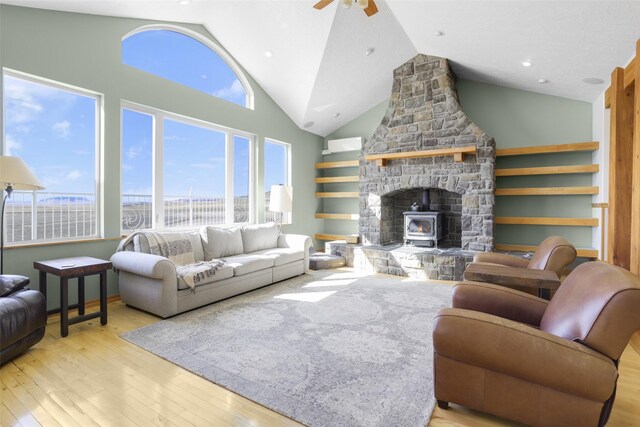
(515, 118)
(85, 51)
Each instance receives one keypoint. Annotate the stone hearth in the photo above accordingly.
(423, 263)
(424, 114)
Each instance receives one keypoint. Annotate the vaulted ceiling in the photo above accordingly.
(320, 76)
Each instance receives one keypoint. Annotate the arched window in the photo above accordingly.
(187, 58)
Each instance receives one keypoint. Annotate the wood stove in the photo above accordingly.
(422, 228)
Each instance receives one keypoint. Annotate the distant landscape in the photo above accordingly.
(65, 216)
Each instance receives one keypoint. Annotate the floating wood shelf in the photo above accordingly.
(582, 252)
(341, 164)
(457, 153)
(548, 170)
(338, 194)
(522, 220)
(322, 236)
(546, 191)
(544, 149)
(337, 216)
(334, 179)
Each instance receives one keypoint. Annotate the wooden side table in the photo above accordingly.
(543, 280)
(70, 268)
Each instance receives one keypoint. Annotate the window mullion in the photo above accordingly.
(158, 161)
(252, 179)
(229, 193)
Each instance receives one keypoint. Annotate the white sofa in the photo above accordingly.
(253, 255)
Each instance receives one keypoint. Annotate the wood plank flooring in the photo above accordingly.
(92, 377)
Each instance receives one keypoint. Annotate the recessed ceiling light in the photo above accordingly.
(593, 81)
(308, 124)
(268, 53)
(527, 63)
(336, 115)
(184, 2)
(543, 81)
(369, 51)
(438, 33)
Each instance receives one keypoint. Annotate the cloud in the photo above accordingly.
(11, 145)
(134, 151)
(74, 174)
(174, 138)
(63, 128)
(230, 92)
(22, 100)
(202, 165)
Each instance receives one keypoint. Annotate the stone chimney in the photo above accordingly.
(424, 114)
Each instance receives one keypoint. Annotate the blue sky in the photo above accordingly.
(53, 130)
(182, 59)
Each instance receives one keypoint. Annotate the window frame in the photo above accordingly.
(287, 218)
(99, 143)
(157, 195)
(216, 48)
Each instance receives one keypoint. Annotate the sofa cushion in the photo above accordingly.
(281, 256)
(245, 264)
(260, 236)
(221, 273)
(220, 242)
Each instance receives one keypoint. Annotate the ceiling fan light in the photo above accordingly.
(346, 3)
(363, 4)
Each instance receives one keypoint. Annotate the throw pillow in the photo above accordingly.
(220, 242)
(260, 236)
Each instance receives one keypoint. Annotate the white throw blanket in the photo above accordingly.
(193, 274)
(177, 248)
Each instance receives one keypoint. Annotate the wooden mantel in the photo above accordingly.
(457, 153)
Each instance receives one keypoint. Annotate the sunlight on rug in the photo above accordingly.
(357, 353)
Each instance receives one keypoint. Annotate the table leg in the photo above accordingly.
(81, 295)
(42, 283)
(103, 298)
(64, 306)
(544, 293)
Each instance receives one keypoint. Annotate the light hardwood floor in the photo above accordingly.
(92, 377)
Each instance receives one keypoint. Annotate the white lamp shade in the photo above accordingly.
(15, 173)
(281, 198)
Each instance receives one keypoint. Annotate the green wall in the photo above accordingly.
(84, 51)
(515, 118)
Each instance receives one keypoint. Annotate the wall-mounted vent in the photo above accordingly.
(342, 145)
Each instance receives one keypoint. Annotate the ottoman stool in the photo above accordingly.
(323, 261)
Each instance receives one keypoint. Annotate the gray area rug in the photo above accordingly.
(326, 349)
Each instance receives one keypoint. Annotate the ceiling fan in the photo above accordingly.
(368, 6)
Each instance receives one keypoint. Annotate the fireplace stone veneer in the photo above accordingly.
(424, 114)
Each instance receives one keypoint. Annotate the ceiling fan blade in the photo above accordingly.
(372, 9)
(322, 4)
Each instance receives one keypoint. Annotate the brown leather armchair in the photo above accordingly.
(23, 316)
(554, 253)
(542, 363)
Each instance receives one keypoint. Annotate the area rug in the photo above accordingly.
(325, 349)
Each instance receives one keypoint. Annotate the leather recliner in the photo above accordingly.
(542, 363)
(23, 316)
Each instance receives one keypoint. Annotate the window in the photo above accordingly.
(191, 60)
(54, 128)
(137, 170)
(204, 177)
(277, 170)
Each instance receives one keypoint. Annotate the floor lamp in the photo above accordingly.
(14, 175)
(281, 200)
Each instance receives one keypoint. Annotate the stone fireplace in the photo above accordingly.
(424, 114)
